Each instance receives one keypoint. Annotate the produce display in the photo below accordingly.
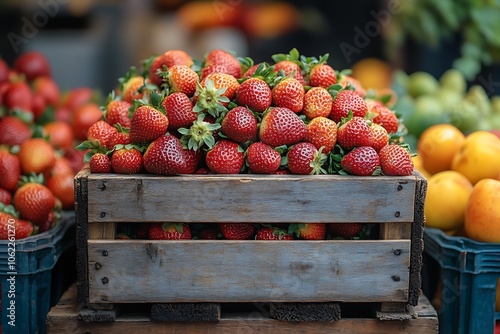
(39, 129)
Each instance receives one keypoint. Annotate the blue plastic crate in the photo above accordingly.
(39, 279)
(469, 275)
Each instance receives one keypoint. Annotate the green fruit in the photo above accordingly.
(404, 106)
(495, 104)
(422, 83)
(400, 82)
(448, 98)
(428, 112)
(495, 121)
(465, 116)
(454, 80)
(477, 95)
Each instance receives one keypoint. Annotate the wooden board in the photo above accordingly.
(63, 319)
(250, 198)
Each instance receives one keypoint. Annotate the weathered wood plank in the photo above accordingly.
(305, 311)
(81, 220)
(248, 271)
(250, 198)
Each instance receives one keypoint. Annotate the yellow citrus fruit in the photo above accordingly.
(418, 165)
(479, 157)
(438, 145)
(446, 200)
(482, 214)
(372, 73)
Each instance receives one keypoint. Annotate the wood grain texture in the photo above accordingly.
(248, 271)
(305, 311)
(81, 220)
(250, 198)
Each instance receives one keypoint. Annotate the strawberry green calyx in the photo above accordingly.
(31, 178)
(155, 100)
(210, 99)
(9, 209)
(318, 162)
(293, 55)
(177, 226)
(199, 134)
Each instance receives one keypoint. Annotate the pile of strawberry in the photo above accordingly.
(227, 115)
(39, 129)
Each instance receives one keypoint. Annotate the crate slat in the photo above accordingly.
(248, 271)
(250, 198)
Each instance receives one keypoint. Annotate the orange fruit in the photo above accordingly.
(372, 73)
(482, 215)
(63, 188)
(418, 165)
(36, 156)
(60, 134)
(479, 157)
(438, 145)
(446, 200)
(83, 117)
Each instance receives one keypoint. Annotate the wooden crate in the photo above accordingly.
(386, 271)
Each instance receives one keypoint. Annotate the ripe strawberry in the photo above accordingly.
(309, 231)
(251, 70)
(179, 111)
(262, 158)
(272, 233)
(100, 132)
(147, 124)
(165, 156)
(346, 230)
(222, 57)
(239, 125)
(133, 89)
(289, 93)
(126, 160)
(215, 90)
(380, 136)
(317, 103)
(304, 158)
(288, 67)
(255, 94)
(226, 157)
(120, 137)
(209, 233)
(385, 117)
(322, 132)
(13, 131)
(22, 228)
(281, 126)
(38, 106)
(322, 75)
(48, 89)
(177, 57)
(83, 117)
(395, 160)
(345, 101)
(362, 161)
(18, 95)
(169, 231)
(36, 156)
(60, 135)
(117, 113)
(282, 171)
(182, 78)
(33, 200)
(63, 188)
(346, 81)
(10, 170)
(32, 64)
(213, 68)
(237, 231)
(61, 167)
(100, 163)
(200, 134)
(76, 97)
(75, 158)
(5, 196)
(355, 132)
(48, 223)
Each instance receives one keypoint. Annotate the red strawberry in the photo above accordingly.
(322, 75)
(262, 158)
(346, 81)
(226, 157)
(395, 160)
(117, 113)
(133, 89)
(201, 133)
(362, 161)
(168, 59)
(317, 103)
(345, 101)
(322, 132)
(346, 230)
(380, 136)
(100, 163)
(13, 131)
(304, 158)
(32, 64)
(309, 231)
(182, 78)
(213, 68)
(281, 126)
(209, 233)
(385, 117)
(255, 94)
(288, 67)
(239, 125)
(179, 111)
(100, 133)
(237, 231)
(48, 89)
(221, 57)
(33, 200)
(126, 160)
(216, 85)
(12, 227)
(18, 95)
(10, 170)
(272, 233)
(251, 70)
(289, 93)
(48, 223)
(5, 196)
(355, 132)
(169, 231)
(120, 137)
(147, 124)
(165, 156)
(282, 171)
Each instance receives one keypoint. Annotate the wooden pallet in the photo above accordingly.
(65, 318)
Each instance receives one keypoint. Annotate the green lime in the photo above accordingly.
(422, 83)
(453, 79)
(428, 112)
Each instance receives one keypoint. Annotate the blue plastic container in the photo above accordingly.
(43, 269)
(469, 275)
